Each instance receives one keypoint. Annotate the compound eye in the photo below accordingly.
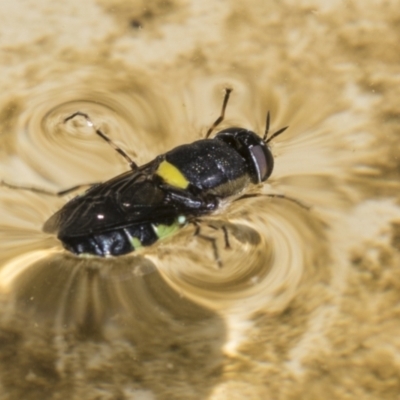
(263, 162)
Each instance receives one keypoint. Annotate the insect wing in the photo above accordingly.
(129, 199)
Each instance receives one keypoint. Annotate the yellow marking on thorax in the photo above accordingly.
(172, 175)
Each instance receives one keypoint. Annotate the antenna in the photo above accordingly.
(274, 135)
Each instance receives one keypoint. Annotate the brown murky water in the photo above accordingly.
(306, 303)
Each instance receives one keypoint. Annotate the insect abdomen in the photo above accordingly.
(120, 241)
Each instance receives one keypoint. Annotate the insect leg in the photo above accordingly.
(131, 163)
(280, 196)
(221, 117)
(44, 191)
(209, 239)
(226, 234)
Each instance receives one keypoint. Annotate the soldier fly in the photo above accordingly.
(150, 202)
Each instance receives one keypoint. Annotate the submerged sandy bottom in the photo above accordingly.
(306, 303)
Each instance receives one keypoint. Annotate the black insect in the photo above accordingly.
(149, 202)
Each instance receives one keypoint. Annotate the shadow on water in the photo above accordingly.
(115, 325)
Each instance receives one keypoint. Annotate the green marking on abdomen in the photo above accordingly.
(163, 231)
(134, 241)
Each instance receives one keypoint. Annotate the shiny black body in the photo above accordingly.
(100, 221)
(149, 202)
